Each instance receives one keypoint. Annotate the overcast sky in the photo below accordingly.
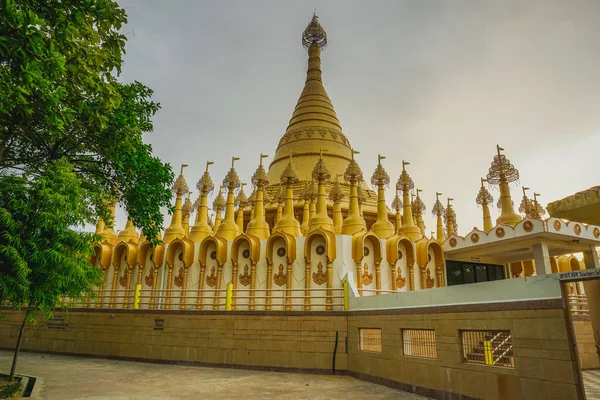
(436, 83)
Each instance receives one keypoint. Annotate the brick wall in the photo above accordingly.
(586, 343)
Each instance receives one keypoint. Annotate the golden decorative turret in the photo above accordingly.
(186, 211)
(418, 208)
(382, 227)
(241, 201)
(538, 209)
(484, 199)
(501, 173)
(336, 195)
(218, 205)
(321, 219)
(106, 233)
(128, 234)
(304, 195)
(280, 199)
(397, 205)
(354, 222)
(288, 222)
(228, 229)
(531, 208)
(438, 210)
(175, 230)
(362, 197)
(201, 228)
(314, 123)
(406, 184)
(312, 193)
(450, 219)
(258, 225)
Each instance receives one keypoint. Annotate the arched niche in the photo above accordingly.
(179, 257)
(400, 255)
(212, 256)
(553, 265)
(367, 254)
(319, 254)
(516, 269)
(430, 257)
(245, 254)
(280, 255)
(149, 261)
(528, 267)
(124, 259)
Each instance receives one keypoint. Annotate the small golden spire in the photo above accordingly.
(218, 204)
(129, 233)
(438, 210)
(321, 219)
(382, 227)
(228, 229)
(288, 222)
(175, 230)
(258, 226)
(336, 195)
(484, 198)
(450, 219)
(354, 222)
(501, 173)
(406, 184)
(418, 208)
(202, 228)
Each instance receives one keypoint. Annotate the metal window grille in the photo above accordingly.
(370, 339)
(488, 348)
(419, 343)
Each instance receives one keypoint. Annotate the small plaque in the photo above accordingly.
(57, 323)
(159, 324)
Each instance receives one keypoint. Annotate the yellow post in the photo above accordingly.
(345, 295)
(136, 296)
(229, 297)
(487, 349)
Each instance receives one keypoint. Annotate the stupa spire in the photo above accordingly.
(241, 201)
(314, 123)
(354, 222)
(418, 208)
(501, 173)
(397, 205)
(382, 227)
(406, 184)
(484, 199)
(202, 228)
(336, 195)
(258, 226)
(228, 229)
(218, 204)
(180, 188)
(288, 222)
(438, 211)
(186, 211)
(321, 219)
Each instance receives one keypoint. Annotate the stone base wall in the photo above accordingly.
(262, 341)
(545, 364)
(586, 343)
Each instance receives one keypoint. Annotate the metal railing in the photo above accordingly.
(488, 347)
(578, 304)
(299, 299)
(419, 343)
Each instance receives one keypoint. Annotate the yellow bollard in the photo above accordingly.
(346, 296)
(487, 349)
(229, 297)
(136, 297)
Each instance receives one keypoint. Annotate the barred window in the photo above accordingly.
(488, 347)
(419, 343)
(370, 339)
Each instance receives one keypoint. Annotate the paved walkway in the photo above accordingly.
(591, 381)
(71, 378)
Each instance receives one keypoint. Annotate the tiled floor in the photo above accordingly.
(591, 381)
(76, 378)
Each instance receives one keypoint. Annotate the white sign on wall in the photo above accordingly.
(584, 274)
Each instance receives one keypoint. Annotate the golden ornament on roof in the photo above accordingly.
(380, 177)
(438, 208)
(417, 206)
(501, 167)
(289, 175)
(336, 193)
(241, 200)
(314, 33)
(232, 180)
(219, 201)
(187, 207)
(180, 186)
(397, 203)
(320, 171)
(405, 182)
(205, 184)
(483, 197)
(259, 179)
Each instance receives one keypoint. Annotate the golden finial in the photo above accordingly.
(180, 186)
(437, 196)
(438, 208)
(205, 184)
(232, 180)
(405, 182)
(380, 176)
(208, 163)
(262, 156)
(182, 167)
(314, 33)
(233, 160)
(483, 197)
(404, 164)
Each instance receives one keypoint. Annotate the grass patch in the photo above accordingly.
(10, 390)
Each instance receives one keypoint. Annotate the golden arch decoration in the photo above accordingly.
(102, 255)
(247, 277)
(157, 253)
(130, 251)
(253, 246)
(187, 247)
(329, 238)
(220, 248)
(290, 245)
(392, 246)
(553, 264)
(358, 246)
(423, 247)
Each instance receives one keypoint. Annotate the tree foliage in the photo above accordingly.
(60, 98)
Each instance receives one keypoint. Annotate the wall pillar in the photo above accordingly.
(269, 285)
(183, 295)
(200, 287)
(307, 285)
(359, 277)
(169, 288)
(252, 285)
(592, 292)
(234, 279)
(378, 277)
(541, 257)
(329, 292)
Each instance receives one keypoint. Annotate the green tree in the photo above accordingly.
(60, 98)
(42, 255)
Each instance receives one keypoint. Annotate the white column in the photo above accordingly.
(541, 257)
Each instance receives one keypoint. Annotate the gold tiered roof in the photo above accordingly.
(314, 123)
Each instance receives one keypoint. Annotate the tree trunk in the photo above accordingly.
(17, 348)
